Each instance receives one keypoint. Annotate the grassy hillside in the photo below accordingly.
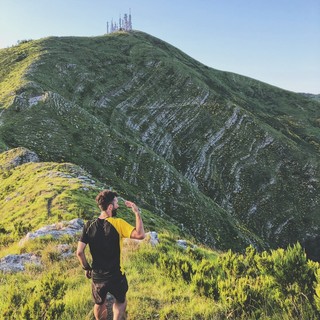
(168, 282)
(233, 160)
(34, 194)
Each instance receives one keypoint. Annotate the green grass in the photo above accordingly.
(16, 62)
(159, 292)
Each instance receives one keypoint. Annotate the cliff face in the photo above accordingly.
(232, 160)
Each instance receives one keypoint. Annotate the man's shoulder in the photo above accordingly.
(116, 221)
(122, 226)
(90, 223)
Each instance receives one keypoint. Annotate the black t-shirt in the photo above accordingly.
(104, 244)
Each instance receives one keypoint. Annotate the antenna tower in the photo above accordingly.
(124, 24)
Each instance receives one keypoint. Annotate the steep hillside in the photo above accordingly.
(224, 155)
(34, 194)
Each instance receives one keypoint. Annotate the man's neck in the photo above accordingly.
(105, 215)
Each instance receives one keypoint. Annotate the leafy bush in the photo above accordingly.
(205, 280)
(46, 302)
(177, 266)
(253, 285)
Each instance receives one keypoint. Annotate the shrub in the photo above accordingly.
(22, 229)
(177, 266)
(46, 302)
(14, 298)
(205, 280)
(317, 290)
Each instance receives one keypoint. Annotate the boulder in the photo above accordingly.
(65, 250)
(152, 238)
(56, 230)
(182, 243)
(17, 262)
(24, 156)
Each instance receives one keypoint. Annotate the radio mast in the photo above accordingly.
(124, 24)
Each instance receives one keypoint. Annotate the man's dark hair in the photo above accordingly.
(104, 198)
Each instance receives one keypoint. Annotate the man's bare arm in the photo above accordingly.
(138, 232)
(83, 260)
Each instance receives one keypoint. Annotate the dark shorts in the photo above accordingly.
(117, 286)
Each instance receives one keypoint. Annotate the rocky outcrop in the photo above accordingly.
(65, 250)
(18, 156)
(18, 262)
(152, 238)
(56, 230)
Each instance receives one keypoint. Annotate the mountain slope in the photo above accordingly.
(34, 194)
(224, 155)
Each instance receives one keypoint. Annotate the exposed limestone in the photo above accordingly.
(56, 230)
(20, 156)
(152, 237)
(65, 250)
(182, 243)
(18, 262)
(35, 100)
(25, 157)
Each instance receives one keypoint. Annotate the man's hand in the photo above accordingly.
(138, 232)
(132, 205)
(88, 274)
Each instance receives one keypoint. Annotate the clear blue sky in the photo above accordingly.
(275, 41)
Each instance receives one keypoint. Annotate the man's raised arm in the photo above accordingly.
(138, 232)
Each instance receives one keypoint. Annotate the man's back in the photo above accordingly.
(104, 244)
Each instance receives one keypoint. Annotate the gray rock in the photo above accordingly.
(25, 157)
(182, 243)
(17, 262)
(65, 250)
(56, 230)
(152, 237)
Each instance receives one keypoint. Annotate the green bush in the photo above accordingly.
(253, 285)
(46, 302)
(177, 266)
(205, 280)
(34, 300)
(317, 290)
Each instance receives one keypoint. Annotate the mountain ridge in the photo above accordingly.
(205, 134)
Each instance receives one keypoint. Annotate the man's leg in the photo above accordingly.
(119, 310)
(100, 311)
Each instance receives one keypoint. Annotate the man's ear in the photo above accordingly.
(110, 207)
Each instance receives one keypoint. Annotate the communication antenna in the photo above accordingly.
(125, 21)
(130, 21)
(124, 24)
